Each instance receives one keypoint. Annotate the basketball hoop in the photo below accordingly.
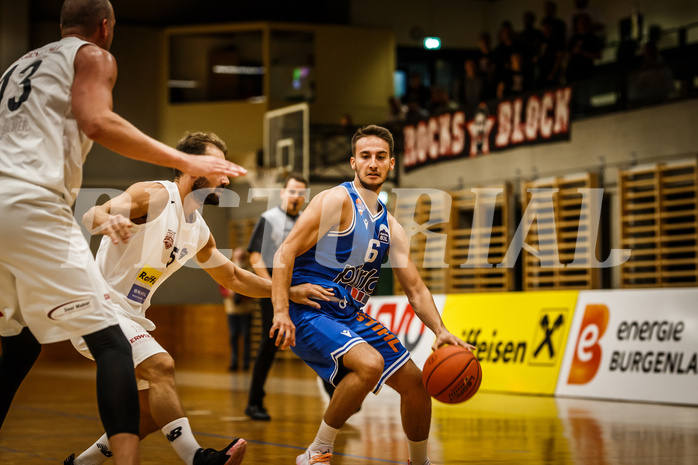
(264, 177)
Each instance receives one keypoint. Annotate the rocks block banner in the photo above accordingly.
(532, 119)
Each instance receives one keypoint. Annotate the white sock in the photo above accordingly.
(324, 441)
(178, 432)
(96, 454)
(418, 452)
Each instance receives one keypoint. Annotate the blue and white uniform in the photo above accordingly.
(349, 263)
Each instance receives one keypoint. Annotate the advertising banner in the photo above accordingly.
(520, 336)
(534, 118)
(637, 345)
(396, 314)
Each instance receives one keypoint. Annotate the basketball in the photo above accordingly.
(452, 374)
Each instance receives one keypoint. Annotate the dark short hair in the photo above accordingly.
(296, 176)
(195, 143)
(85, 14)
(372, 130)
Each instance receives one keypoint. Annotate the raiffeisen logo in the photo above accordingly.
(587, 353)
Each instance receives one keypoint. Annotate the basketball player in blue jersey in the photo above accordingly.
(340, 242)
(150, 231)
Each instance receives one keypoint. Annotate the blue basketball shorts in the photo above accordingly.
(322, 340)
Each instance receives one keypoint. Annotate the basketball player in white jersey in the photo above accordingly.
(54, 102)
(340, 242)
(150, 231)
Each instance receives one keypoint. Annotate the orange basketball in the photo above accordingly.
(452, 374)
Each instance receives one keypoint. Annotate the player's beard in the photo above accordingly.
(370, 184)
(202, 184)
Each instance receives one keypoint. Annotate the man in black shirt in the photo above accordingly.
(269, 232)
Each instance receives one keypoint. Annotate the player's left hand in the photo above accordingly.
(308, 294)
(445, 337)
(286, 331)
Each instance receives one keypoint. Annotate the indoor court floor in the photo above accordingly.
(55, 414)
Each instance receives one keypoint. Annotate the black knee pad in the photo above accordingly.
(117, 394)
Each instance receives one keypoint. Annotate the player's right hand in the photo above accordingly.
(286, 331)
(117, 227)
(198, 165)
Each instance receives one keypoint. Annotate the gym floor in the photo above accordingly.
(55, 414)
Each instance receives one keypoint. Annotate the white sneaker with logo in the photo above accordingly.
(306, 459)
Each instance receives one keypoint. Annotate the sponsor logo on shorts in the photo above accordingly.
(148, 275)
(138, 294)
(107, 297)
(380, 330)
(139, 337)
(71, 309)
(384, 234)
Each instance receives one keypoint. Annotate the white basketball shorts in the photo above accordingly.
(143, 345)
(49, 280)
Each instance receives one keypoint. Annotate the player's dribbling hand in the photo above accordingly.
(308, 294)
(445, 337)
(285, 331)
(212, 166)
(117, 227)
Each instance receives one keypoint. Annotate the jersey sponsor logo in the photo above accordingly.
(360, 206)
(148, 275)
(169, 239)
(71, 309)
(346, 333)
(138, 293)
(358, 281)
(384, 234)
(107, 296)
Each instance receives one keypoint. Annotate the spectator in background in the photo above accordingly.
(238, 309)
(550, 57)
(415, 113)
(584, 47)
(655, 80)
(530, 40)
(397, 115)
(502, 53)
(470, 88)
(485, 65)
(626, 56)
(416, 91)
(582, 8)
(558, 33)
(441, 101)
(513, 80)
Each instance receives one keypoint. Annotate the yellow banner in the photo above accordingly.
(520, 336)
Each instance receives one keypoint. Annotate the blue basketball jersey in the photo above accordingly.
(348, 261)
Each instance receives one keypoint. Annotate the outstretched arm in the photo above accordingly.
(232, 277)
(95, 76)
(417, 292)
